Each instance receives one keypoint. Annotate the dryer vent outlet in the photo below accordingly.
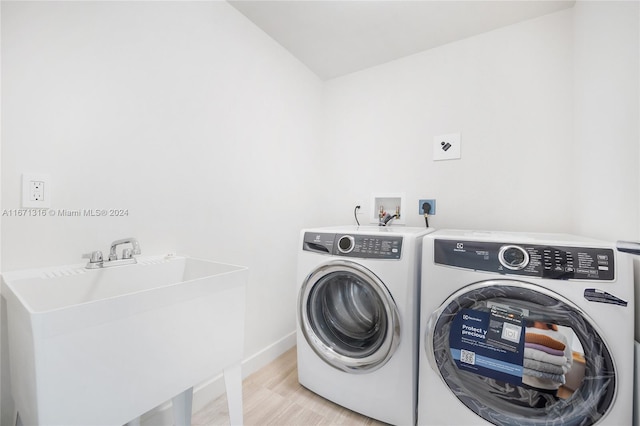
(446, 147)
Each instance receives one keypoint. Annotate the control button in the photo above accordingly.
(513, 257)
(346, 244)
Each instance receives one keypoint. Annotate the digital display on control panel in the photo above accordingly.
(553, 262)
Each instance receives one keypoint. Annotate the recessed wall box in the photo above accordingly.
(389, 203)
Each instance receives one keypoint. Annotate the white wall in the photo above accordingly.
(606, 70)
(509, 93)
(185, 114)
(548, 112)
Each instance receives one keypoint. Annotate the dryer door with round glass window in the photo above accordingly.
(348, 317)
(519, 354)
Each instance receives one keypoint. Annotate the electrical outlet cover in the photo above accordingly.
(446, 147)
(36, 190)
(432, 212)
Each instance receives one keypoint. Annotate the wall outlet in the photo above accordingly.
(446, 147)
(431, 202)
(36, 190)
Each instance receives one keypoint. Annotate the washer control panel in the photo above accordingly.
(354, 245)
(554, 262)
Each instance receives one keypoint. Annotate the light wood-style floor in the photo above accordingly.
(273, 396)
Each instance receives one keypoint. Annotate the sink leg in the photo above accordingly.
(233, 383)
(134, 422)
(182, 404)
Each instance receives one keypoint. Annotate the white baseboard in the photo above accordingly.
(206, 392)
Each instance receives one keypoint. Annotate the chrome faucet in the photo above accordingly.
(126, 253)
(96, 260)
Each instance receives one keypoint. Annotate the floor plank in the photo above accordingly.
(273, 396)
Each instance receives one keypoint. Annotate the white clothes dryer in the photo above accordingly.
(525, 329)
(357, 331)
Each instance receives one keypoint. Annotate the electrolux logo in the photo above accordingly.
(459, 247)
(468, 317)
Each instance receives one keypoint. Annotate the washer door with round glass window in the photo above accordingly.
(348, 317)
(519, 354)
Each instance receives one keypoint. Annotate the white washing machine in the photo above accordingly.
(358, 310)
(525, 329)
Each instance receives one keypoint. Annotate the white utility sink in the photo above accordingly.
(102, 346)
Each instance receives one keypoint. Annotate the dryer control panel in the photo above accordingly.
(553, 262)
(354, 245)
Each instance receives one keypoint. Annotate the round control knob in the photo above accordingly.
(346, 244)
(513, 257)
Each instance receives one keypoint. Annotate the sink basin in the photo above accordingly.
(103, 346)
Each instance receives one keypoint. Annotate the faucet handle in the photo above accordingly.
(135, 246)
(94, 256)
(95, 259)
(126, 253)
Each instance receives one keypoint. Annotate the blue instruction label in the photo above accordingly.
(489, 343)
